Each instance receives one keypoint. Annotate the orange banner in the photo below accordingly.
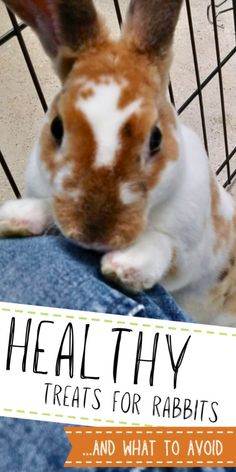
(151, 447)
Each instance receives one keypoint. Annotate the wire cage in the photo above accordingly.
(214, 10)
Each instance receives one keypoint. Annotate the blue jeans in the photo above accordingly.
(49, 271)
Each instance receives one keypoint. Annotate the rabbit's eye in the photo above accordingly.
(57, 130)
(155, 141)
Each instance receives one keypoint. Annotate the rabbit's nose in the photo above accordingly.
(94, 232)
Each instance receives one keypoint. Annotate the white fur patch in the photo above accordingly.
(74, 194)
(37, 175)
(63, 149)
(102, 112)
(127, 195)
(59, 180)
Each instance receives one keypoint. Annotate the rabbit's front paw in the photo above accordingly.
(131, 272)
(26, 217)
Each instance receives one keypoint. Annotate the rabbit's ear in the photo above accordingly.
(62, 25)
(150, 26)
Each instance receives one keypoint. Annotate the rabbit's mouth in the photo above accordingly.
(101, 248)
(116, 243)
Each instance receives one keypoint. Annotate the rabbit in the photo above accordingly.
(114, 168)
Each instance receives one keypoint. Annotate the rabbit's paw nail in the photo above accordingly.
(123, 271)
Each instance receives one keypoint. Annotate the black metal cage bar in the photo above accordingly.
(17, 29)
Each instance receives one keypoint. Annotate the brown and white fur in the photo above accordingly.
(159, 217)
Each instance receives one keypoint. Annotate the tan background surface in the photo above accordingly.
(21, 113)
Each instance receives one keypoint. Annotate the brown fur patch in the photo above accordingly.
(68, 54)
(174, 269)
(223, 294)
(231, 298)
